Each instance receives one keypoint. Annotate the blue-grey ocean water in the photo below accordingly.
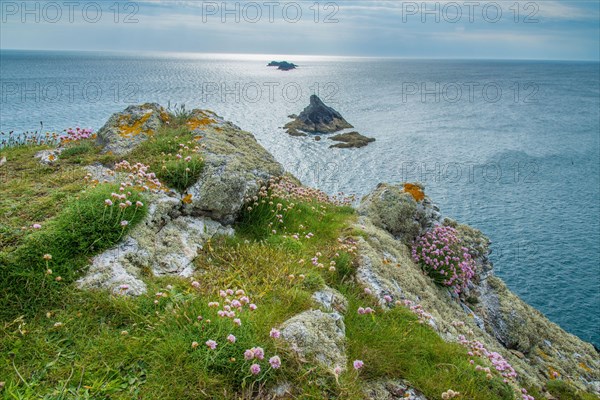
(510, 147)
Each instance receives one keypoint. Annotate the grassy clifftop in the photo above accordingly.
(222, 331)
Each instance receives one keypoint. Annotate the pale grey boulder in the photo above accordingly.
(317, 337)
(396, 210)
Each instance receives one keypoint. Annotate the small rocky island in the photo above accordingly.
(282, 65)
(320, 118)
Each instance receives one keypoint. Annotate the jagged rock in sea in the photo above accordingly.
(282, 65)
(317, 118)
(350, 140)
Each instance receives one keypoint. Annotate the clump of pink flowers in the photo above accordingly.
(73, 135)
(442, 256)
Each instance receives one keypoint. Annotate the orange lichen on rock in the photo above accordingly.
(196, 122)
(554, 374)
(187, 199)
(128, 129)
(415, 191)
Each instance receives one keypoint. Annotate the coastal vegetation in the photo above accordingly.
(221, 331)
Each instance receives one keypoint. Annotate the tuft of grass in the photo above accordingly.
(81, 228)
(167, 152)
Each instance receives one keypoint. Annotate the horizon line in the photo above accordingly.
(395, 57)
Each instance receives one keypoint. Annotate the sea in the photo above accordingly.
(509, 147)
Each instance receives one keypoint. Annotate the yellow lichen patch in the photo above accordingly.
(585, 367)
(197, 122)
(198, 137)
(542, 354)
(554, 374)
(415, 191)
(128, 130)
(187, 199)
(51, 157)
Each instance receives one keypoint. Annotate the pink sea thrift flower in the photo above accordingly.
(237, 321)
(124, 223)
(231, 338)
(211, 344)
(275, 333)
(259, 353)
(36, 226)
(358, 364)
(196, 284)
(275, 362)
(255, 369)
(249, 354)
(252, 307)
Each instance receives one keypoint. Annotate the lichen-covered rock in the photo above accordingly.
(331, 300)
(402, 210)
(389, 389)
(125, 130)
(235, 167)
(317, 337)
(165, 243)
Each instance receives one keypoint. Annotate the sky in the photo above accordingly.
(543, 29)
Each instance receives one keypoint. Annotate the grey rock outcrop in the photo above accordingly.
(317, 118)
(282, 65)
(176, 227)
(165, 243)
(494, 316)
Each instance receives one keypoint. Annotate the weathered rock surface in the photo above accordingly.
(533, 345)
(388, 389)
(235, 166)
(402, 210)
(165, 243)
(350, 140)
(282, 65)
(48, 156)
(331, 300)
(317, 118)
(126, 129)
(317, 337)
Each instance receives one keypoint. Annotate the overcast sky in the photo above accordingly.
(543, 29)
